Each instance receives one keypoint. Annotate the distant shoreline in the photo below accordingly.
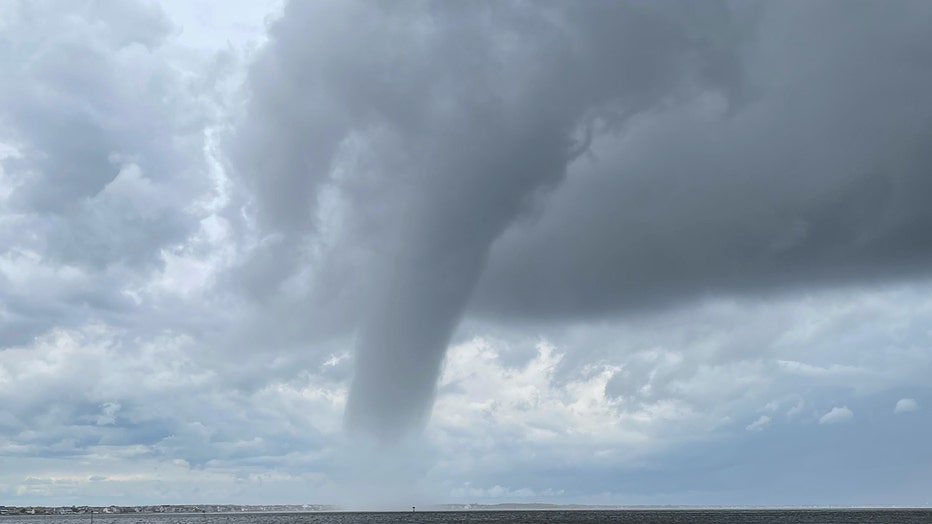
(193, 509)
(163, 508)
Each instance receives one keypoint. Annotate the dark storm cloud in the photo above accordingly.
(410, 153)
(822, 177)
(440, 124)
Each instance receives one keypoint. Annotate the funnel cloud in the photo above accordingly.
(555, 160)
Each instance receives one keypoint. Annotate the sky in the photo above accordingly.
(384, 254)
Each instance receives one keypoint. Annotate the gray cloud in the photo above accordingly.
(664, 223)
(438, 125)
(103, 163)
(408, 155)
(819, 179)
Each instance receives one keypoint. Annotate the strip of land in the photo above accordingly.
(162, 508)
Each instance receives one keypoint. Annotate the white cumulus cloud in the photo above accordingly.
(759, 424)
(837, 415)
(905, 405)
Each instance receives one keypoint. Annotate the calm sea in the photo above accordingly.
(898, 516)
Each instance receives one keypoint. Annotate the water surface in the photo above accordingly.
(708, 516)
